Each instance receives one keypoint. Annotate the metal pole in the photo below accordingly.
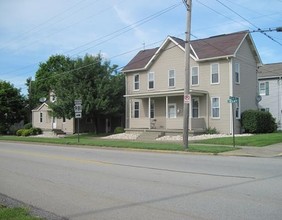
(233, 117)
(188, 5)
(78, 130)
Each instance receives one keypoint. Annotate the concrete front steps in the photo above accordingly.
(150, 136)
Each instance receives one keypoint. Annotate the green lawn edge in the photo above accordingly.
(90, 142)
(17, 213)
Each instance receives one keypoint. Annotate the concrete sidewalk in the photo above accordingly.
(274, 150)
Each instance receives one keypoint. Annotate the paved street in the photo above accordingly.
(100, 183)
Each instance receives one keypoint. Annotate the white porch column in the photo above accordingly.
(166, 106)
(130, 112)
(149, 112)
(190, 114)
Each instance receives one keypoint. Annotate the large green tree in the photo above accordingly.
(95, 82)
(47, 76)
(12, 106)
(91, 78)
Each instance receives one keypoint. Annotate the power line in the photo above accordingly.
(115, 34)
(271, 38)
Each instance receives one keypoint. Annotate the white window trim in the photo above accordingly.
(136, 82)
(239, 73)
(174, 105)
(212, 74)
(191, 73)
(212, 107)
(149, 73)
(174, 78)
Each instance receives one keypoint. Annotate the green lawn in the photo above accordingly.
(90, 141)
(216, 145)
(15, 214)
(258, 140)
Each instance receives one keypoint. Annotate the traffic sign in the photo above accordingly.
(77, 102)
(77, 108)
(187, 98)
(78, 115)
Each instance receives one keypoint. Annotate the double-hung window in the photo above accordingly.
(215, 103)
(215, 73)
(41, 117)
(171, 78)
(264, 88)
(136, 82)
(237, 73)
(136, 109)
(195, 75)
(151, 80)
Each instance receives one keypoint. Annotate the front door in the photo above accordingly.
(195, 107)
(54, 122)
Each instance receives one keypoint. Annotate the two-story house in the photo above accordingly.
(221, 66)
(270, 90)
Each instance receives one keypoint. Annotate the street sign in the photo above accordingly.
(77, 108)
(77, 102)
(187, 99)
(233, 99)
(78, 115)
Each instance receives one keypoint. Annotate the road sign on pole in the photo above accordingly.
(233, 99)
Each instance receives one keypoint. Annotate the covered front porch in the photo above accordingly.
(165, 112)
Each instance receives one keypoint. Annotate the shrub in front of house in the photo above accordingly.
(28, 126)
(254, 121)
(119, 130)
(28, 132)
(19, 132)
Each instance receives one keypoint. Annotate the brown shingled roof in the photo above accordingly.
(213, 47)
(141, 59)
(218, 46)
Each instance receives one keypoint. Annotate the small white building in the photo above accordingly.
(270, 90)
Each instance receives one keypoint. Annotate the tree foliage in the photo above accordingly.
(91, 79)
(12, 105)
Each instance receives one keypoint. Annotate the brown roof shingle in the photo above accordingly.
(141, 59)
(217, 46)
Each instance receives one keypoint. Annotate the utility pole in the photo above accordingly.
(187, 96)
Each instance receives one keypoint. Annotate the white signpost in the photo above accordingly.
(77, 114)
(233, 100)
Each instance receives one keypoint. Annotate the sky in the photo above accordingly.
(31, 30)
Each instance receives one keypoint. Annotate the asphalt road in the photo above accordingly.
(99, 184)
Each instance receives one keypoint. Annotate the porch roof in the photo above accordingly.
(179, 92)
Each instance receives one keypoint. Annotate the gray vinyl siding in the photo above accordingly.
(247, 89)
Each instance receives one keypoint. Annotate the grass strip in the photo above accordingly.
(90, 141)
(257, 140)
(15, 214)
